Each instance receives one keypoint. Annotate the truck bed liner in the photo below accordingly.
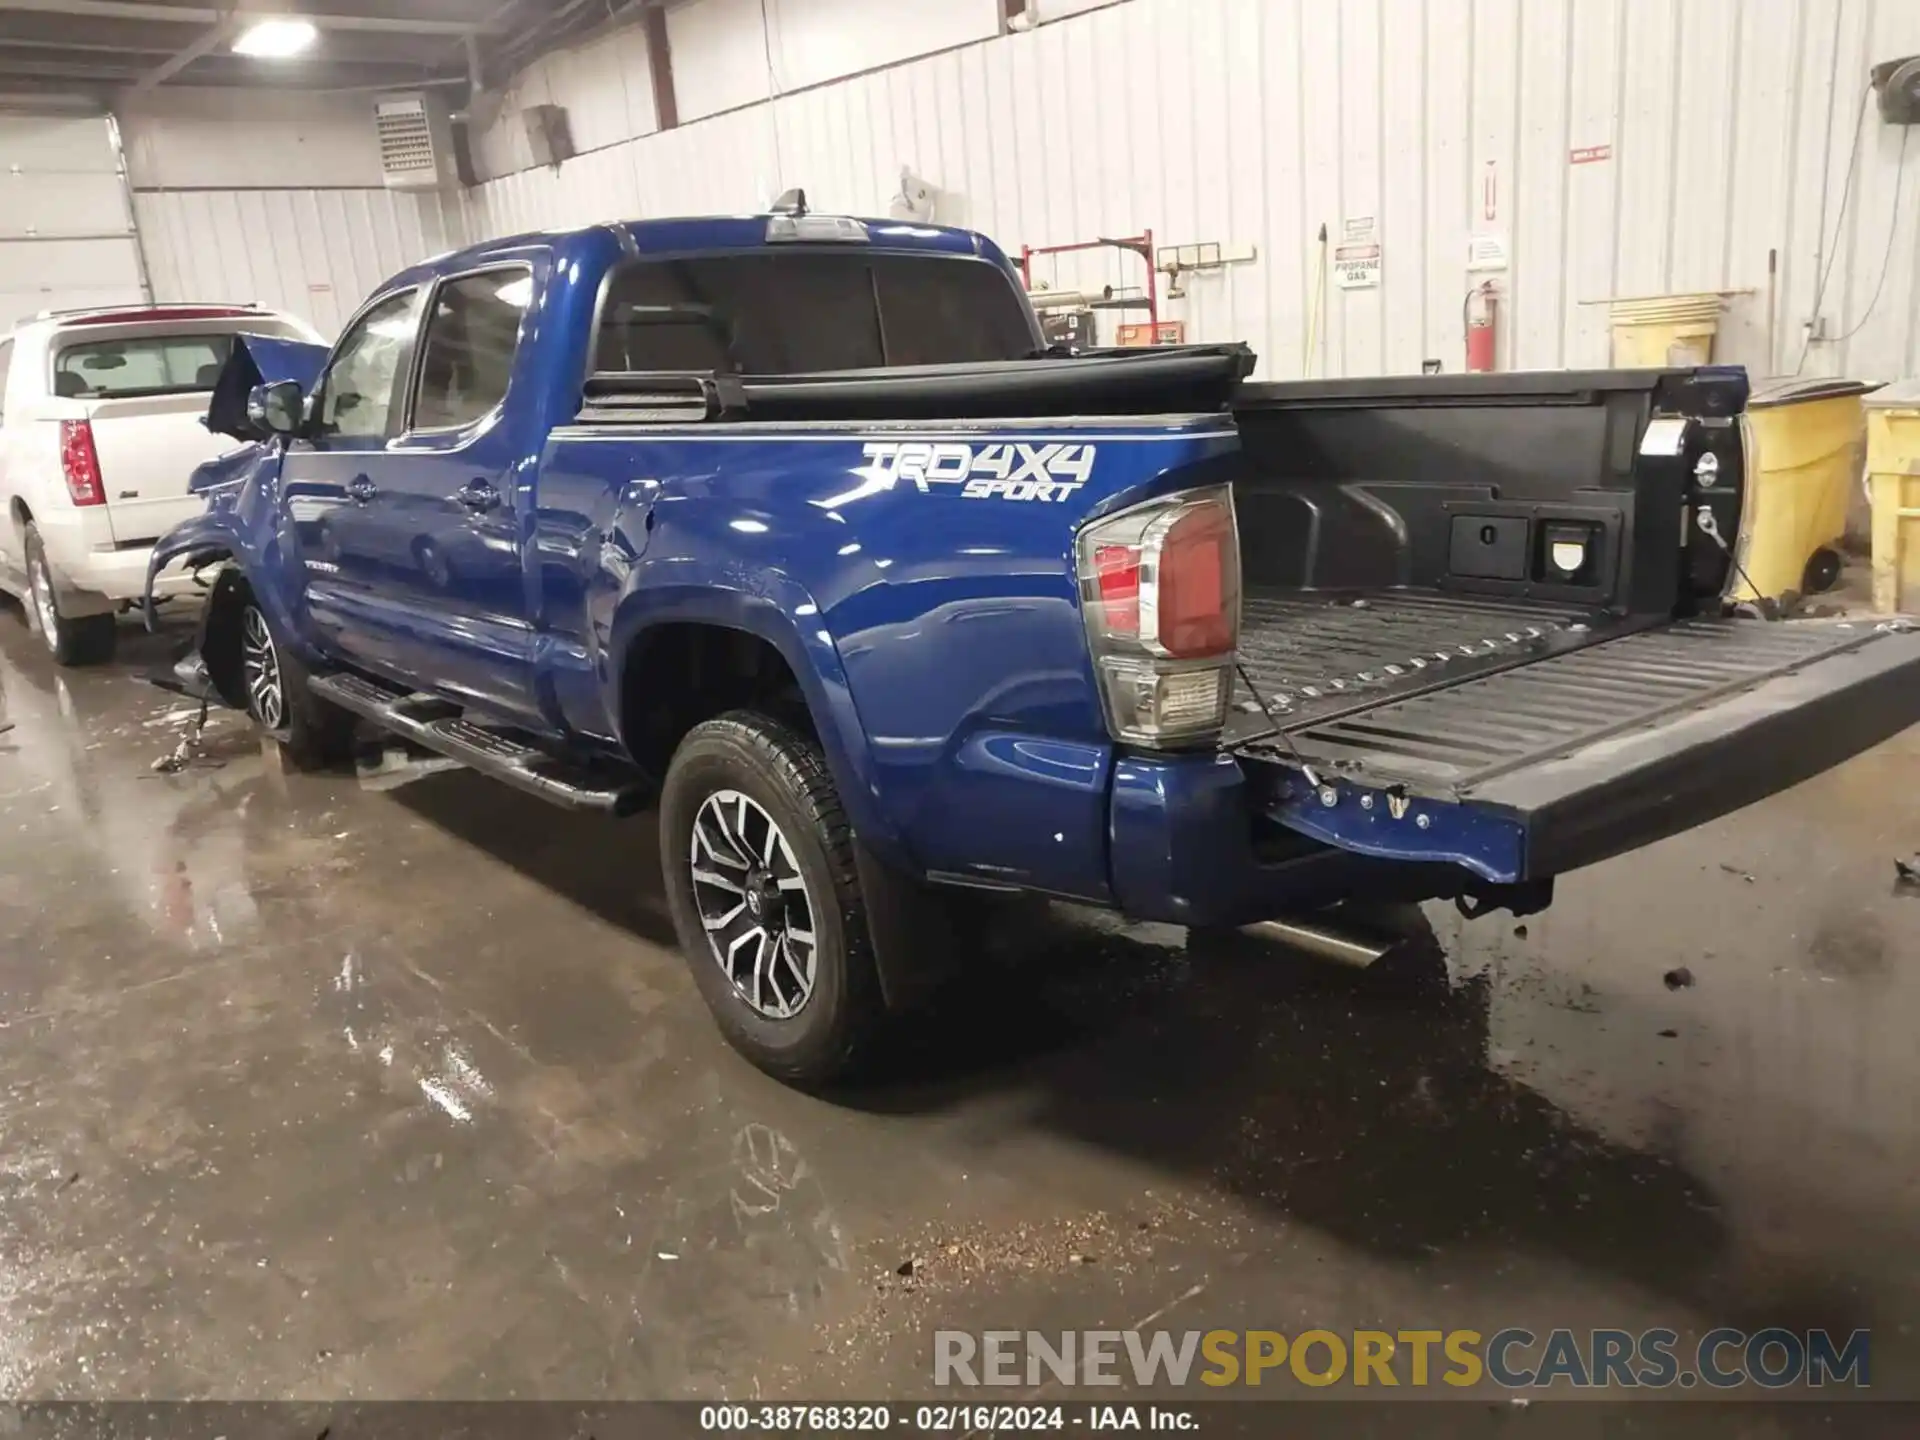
(1547, 694)
(1314, 656)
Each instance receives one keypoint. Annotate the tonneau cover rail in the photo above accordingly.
(1164, 379)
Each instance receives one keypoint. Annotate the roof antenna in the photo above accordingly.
(791, 202)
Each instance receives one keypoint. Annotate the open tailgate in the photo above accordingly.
(1556, 746)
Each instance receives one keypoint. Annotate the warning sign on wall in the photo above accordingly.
(1356, 259)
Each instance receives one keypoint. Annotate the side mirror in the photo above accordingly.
(277, 409)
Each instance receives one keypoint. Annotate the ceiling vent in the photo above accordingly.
(416, 142)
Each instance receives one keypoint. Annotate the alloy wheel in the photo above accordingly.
(753, 904)
(260, 668)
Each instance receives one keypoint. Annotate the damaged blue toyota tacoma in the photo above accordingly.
(793, 529)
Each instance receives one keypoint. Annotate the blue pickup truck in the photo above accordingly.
(793, 528)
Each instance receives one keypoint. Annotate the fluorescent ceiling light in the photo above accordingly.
(277, 38)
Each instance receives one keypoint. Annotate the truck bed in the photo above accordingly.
(1314, 654)
(1441, 693)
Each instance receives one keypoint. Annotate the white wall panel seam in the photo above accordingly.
(1732, 104)
(1618, 166)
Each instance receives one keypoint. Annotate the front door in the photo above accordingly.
(330, 486)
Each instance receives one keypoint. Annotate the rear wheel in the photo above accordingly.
(72, 639)
(758, 860)
(313, 732)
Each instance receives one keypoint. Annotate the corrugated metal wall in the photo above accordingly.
(314, 253)
(1727, 127)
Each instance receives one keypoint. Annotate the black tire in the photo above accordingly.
(784, 776)
(314, 733)
(72, 639)
(1822, 572)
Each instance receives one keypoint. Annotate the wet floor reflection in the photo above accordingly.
(310, 1086)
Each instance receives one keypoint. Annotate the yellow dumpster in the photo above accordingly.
(1656, 331)
(1804, 441)
(1893, 463)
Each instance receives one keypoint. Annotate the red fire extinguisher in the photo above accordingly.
(1483, 327)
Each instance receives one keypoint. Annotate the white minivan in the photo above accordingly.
(101, 426)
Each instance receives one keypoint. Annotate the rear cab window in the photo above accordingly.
(139, 366)
(785, 312)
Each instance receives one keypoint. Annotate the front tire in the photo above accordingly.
(759, 868)
(72, 639)
(313, 733)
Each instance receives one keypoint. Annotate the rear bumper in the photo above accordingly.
(1221, 840)
(91, 574)
(1191, 846)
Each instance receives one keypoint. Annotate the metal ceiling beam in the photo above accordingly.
(25, 67)
(82, 47)
(207, 15)
(205, 41)
(16, 69)
(34, 100)
(366, 50)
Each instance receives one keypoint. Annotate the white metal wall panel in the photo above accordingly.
(1595, 62)
(66, 239)
(1538, 289)
(1883, 239)
(719, 56)
(1711, 132)
(819, 40)
(725, 57)
(313, 253)
(231, 139)
(1760, 197)
(605, 84)
(1061, 9)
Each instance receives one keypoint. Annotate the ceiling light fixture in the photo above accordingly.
(276, 39)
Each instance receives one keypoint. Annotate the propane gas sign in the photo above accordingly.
(1356, 259)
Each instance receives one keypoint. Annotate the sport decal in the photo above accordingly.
(1000, 471)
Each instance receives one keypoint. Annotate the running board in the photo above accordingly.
(439, 726)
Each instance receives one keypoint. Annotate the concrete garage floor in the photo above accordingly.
(310, 1089)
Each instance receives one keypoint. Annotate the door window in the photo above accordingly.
(360, 391)
(469, 347)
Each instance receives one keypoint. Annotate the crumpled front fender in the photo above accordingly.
(198, 541)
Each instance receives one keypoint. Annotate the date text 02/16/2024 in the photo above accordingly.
(941, 1419)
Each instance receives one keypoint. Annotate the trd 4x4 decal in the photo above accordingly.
(999, 471)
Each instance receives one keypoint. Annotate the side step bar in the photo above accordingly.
(440, 727)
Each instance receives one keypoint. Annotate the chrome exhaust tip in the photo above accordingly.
(1344, 947)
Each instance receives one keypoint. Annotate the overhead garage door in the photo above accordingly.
(66, 239)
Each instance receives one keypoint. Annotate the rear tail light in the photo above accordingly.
(80, 463)
(1160, 587)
